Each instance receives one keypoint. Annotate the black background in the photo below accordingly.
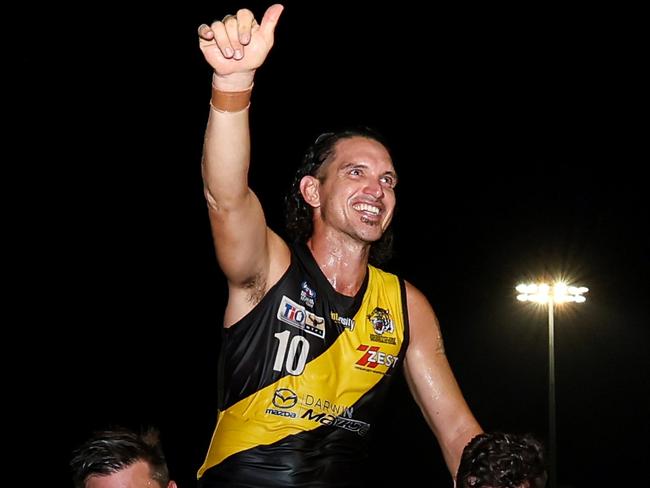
(516, 134)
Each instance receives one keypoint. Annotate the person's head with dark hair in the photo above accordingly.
(119, 457)
(502, 460)
(300, 213)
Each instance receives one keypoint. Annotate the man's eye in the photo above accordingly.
(389, 181)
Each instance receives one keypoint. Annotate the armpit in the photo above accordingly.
(255, 289)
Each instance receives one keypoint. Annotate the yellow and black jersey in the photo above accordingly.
(301, 378)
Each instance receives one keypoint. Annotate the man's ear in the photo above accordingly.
(309, 187)
(172, 484)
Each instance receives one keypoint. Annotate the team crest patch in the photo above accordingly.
(383, 326)
(381, 321)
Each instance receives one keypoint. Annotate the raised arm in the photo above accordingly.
(250, 255)
(433, 384)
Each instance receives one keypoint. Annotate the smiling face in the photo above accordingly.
(355, 191)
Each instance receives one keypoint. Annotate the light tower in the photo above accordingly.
(551, 296)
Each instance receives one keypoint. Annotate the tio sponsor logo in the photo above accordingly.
(296, 315)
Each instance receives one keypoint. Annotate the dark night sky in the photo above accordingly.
(515, 135)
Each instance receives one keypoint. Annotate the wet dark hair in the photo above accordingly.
(499, 460)
(110, 451)
(299, 214)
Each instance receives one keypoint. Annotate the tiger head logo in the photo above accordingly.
(381, 321)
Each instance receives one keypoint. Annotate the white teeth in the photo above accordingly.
(364, 207)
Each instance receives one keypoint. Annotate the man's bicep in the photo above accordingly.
(241, 240)
(432, 381)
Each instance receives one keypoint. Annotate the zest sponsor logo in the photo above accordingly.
(374, 357)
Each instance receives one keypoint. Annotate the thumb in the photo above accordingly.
(270, 20)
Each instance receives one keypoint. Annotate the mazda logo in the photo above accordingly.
(284, 398)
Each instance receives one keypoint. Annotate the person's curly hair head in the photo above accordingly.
(299, 214)
(499, 460)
